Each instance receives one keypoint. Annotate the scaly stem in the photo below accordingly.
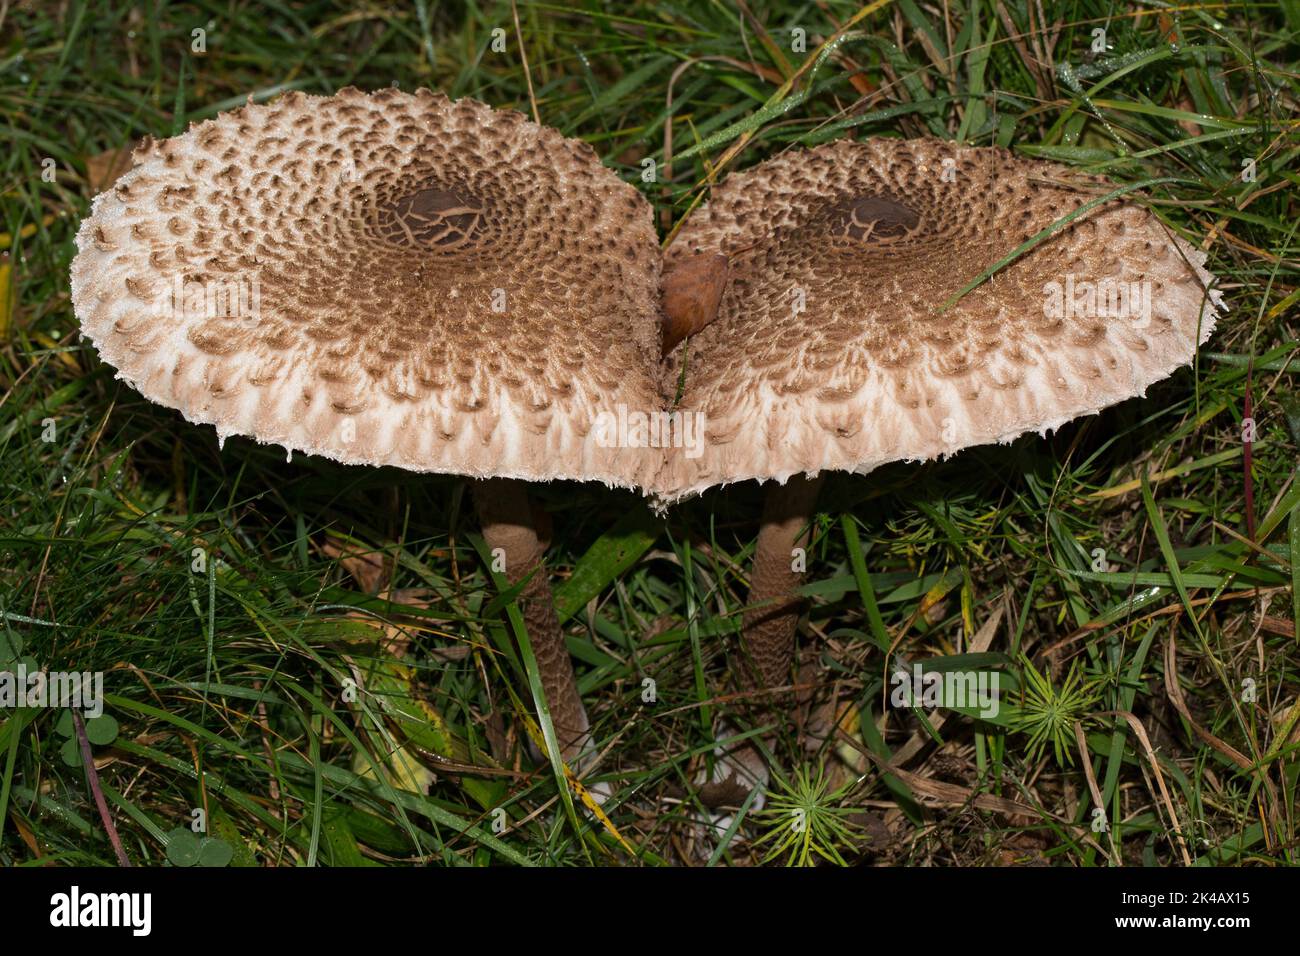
(767, 633)
(509, 524)
(768, 626)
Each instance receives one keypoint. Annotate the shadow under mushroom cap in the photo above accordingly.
(382, 278)
(831, 351)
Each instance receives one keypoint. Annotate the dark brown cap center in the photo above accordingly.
(868, 218)
(434, 216)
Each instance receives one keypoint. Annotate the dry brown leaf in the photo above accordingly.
(942, 792)
(368, 568)
(109, 166)
(692, 291)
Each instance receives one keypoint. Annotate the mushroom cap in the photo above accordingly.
(870, 239)
(382, 278)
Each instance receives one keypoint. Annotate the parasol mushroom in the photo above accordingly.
(831, 348)
(390, 279)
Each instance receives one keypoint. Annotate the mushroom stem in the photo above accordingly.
(510, 524)
(768, 626)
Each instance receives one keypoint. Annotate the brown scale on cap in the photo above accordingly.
(869, 239)
(379, 229)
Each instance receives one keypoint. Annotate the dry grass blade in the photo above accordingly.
(1150, 754)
